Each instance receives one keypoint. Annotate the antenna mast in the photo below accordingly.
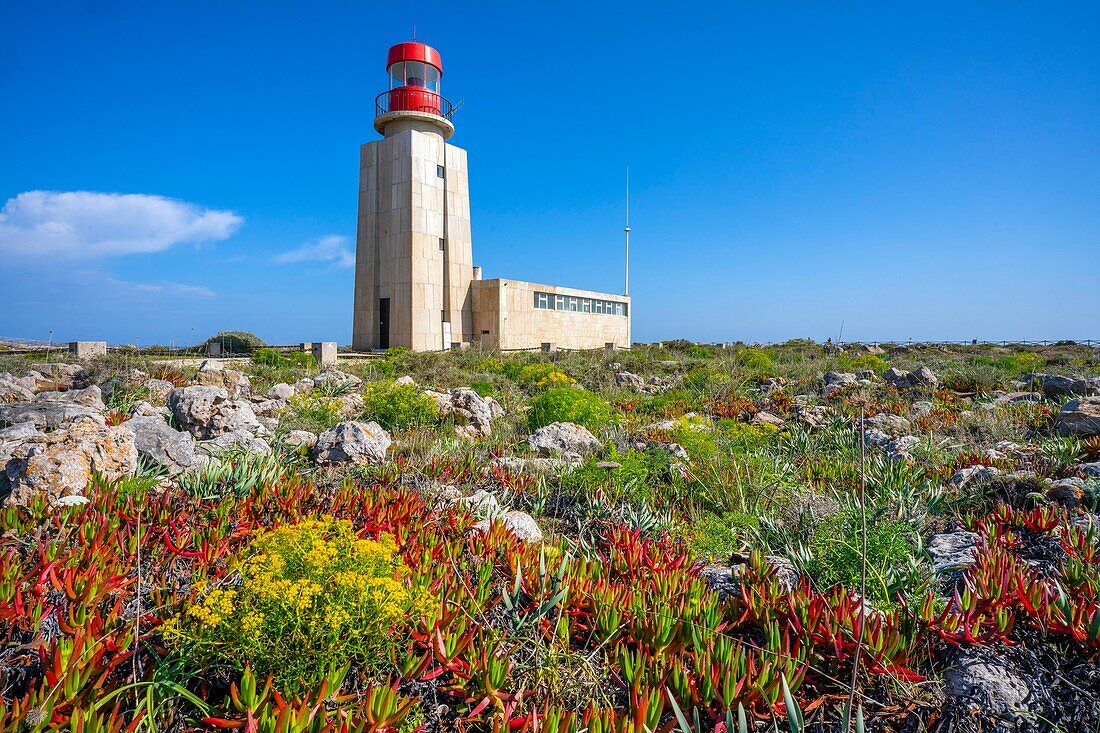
(626, 288)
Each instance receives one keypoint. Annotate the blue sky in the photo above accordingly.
(925, 171)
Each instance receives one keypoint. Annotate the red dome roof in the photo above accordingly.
(414, 51)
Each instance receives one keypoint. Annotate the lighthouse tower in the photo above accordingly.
(414, 256)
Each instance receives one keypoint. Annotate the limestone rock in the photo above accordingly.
(1057, 385)
(1092, 470)
(988, 685)
(89, 397)
(12, 391)
(921, 407)
(207, 412)
(214, 374)
(953, 550)
(838, 381)
(887, 423)
(300, 439)
(1080, 417)
(281, 391)
(62, 463)
(1067, 492)
(335, 377)
(923, 377)
(630, 380)
(970, 474)
(48, 414)
(468, 406)
(521, 524)
(405, 380)
(480, 502)
(158, 441)
(353, 442)
(561, 438)
(239, 439)
(768, 418)
(159, 388)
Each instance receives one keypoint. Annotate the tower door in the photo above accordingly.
(383, 323)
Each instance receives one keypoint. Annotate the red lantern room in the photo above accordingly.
(414, 70)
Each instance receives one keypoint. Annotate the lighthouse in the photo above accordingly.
(414, 259)
(415, 282)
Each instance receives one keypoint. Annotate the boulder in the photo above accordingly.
(89, 397)
(899, 448)
(1080, 417)
(887, 423)
(159, 442)
(920, 407)
(12, 391)
(13, 437)
(281, 391)
(236, 439)
(521, 524)
(405, 380)
(876, 438)
(214, 374)
(838, 381)
(299, 439)
(48, 414)
(988, 685)
(952, 551)
(480, 502)
(629, 380)
(1092, 470)
(353, 442)
(267, 407)
(768, 418)
(1015, 398)
(62, 463)
(563, 438)
(901, 379)
(970, 474)
(494, 407)
(335, 377)
(513, 464)
(207, 412)
(469, 407)
(772, 384)
(158, 389)
(1068, 492)
(1057, 385)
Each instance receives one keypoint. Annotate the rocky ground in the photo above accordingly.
(634, 536)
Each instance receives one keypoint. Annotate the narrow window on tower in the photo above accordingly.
(439, 171)
(442, 245)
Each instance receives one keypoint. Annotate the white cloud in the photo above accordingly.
(166, 288)
(333, 249)
(86, 224)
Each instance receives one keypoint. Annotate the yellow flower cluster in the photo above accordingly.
(215, 608)
(316, 586)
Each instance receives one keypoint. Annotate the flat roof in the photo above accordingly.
(558, 289)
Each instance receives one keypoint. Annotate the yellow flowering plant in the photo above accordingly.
(312, 596)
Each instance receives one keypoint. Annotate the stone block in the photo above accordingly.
(87, 349)
(324, 353)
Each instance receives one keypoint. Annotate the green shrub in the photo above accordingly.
(278, 360)
(483, 388)
(235, 342)
(892, 566)
(756, 359)
(743, 437)
(847, 362)
(716, 537)
(698, 351)
(312, 598)
(702, 378)
(543, 375)
(669, 404)
(236, 472)
(568, 404)
(634, 481)
(314, 411)
(395, 405)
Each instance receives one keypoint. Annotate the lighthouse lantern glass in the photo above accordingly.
(397, 75)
